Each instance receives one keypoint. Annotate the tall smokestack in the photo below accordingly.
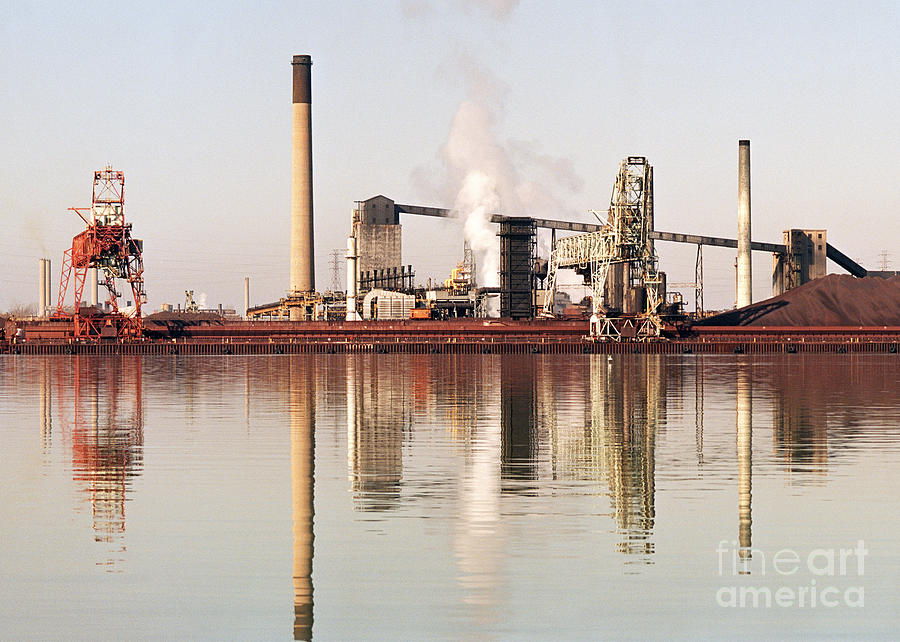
(744, 266)
(42, 288)
(303, 276)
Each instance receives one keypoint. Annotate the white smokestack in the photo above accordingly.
(351, 280)
(42, 288)
(92, 285)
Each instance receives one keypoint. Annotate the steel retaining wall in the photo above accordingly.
(454, 347)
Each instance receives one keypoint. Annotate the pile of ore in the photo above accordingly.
(834, 300)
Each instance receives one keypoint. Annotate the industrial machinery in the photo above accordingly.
(107, 245)
(462, 277)
(619, 260)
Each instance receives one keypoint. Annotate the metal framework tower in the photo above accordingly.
(517, 250)
(105, 244)
(631, 216)
(625, 244)
(336, 285)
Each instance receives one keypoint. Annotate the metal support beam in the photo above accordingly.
(589, 228)
(845, 261)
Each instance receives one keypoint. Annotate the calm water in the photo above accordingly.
(434, 496)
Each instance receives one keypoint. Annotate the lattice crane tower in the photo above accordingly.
(624, 241)
(105, 244)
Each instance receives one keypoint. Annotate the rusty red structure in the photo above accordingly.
(107, 245)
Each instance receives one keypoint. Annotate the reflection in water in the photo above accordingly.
(107, 438)
(744, 440)
(479, 535)
(378, 415)
(506, 478)
(46, 407)
(800, 419)
(302, 405)
(518, 419)
(627, 406)
(699, 381)
(634, 403)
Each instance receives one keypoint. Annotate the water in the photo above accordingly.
(449, 497)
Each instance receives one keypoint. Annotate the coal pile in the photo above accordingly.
(834, 300)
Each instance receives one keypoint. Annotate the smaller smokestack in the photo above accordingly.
(49, 290)
(42, 288)
(246, 296)
(92, 283)
(744, 263)
(351, 280)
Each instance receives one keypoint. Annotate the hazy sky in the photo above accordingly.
(193, 102)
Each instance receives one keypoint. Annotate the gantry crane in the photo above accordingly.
(107, 245)
(621, 250)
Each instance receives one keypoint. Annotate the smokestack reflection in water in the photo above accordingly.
(302, 405)
(744, 420)
(46, 407)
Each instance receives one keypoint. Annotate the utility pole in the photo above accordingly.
(336, 285)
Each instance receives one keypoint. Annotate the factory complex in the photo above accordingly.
(631, 308)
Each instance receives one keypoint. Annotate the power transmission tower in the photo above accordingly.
(336, 282)
(885, 261)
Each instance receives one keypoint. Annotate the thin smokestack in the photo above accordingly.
(351, 280)
(246, 295)
(744, 265)
(48, 304)
(92, 283)
(42, 288)
(302, 250)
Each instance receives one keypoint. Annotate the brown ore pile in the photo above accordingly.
(834, 300)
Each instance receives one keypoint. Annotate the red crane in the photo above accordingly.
(105, 244)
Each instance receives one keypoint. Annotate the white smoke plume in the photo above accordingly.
(486, 173)
(486, 179)
(497, 9)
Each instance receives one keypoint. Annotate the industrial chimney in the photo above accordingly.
(48, 301)
(42, 288)
(302, 251)
(744, 266)
(352, 286)
(93, 287)
(246, 296)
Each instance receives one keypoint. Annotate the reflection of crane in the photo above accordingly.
(106, 244)
(107, 440)
(622, 250)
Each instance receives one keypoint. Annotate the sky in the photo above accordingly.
(193, 102)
